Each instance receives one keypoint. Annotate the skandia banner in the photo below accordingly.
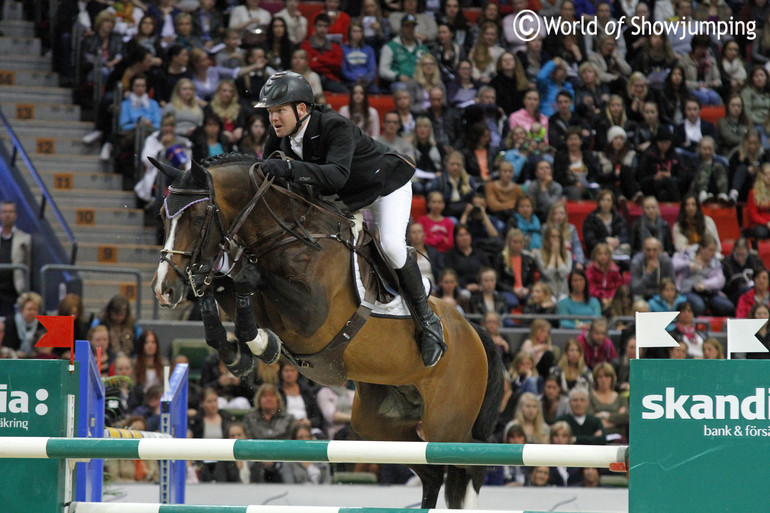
(699, 435)
(34, 402)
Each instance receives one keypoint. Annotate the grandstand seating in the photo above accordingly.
(577, 211)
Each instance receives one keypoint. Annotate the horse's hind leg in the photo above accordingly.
(431, 477)
(463, 485)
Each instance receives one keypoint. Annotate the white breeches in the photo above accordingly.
(391, 213)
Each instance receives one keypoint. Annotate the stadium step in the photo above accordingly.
(32, 94)
(42, 111)
(90, 197)
(17, 28)
(21, 45)
(17, 61)
(80, 216)
(110, 234)
(52, 145)
(64, 163)
(59, 182)
(42, 128)
(126, 254)
(21, 77)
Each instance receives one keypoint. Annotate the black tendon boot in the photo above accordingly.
(430, 334)
(234, 354)
(263, 343)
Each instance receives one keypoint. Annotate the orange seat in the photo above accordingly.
(419, 206)
(472, 14)
(577, 211)
(712, 323)
(381, 102)
(763, 249)
(726, 220)
(308, 9)
(727, 246)
(712, 113)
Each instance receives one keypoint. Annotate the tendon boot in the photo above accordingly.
(234, 354)
(263, 343)
(430, 334)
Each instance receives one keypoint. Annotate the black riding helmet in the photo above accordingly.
(287, 87)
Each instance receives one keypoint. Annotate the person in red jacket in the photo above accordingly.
(759, 294)
(339, 21)
(758, 205)
(597, 346)
(325, 56)
(603, 275)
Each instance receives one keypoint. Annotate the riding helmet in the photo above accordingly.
(285, 87)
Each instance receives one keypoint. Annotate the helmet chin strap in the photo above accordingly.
(299, 121)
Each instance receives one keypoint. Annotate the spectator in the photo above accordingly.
(667, 299)
(465, 259)
(760, 311)
(296, 24)
(613, 68)
(660, 172)
(645, 130)
(72, 305)
(554, 402)
(539, 347)
(478, 154)
(336, 404)
(165, 146)
(164, 13)
(209, 140)
(597, 346)
(403, 107)
(745, 165)
(512, 36)
(426, 77)
(485, 53)
(649, 268)
(428, 258)
(455, 185)
(491, 322)
(656, 58)
(208, 23)
(525, 220)
(487, 299)
(638, 13)
(300, 64)
(278, 45)
(530, 114)
(177, 60)
(253, 141)
(300, 398)
(688, 135)
(739, 268)
(571, 370)
(183, 25)
(760, 48)
(545, 192)
(621, 305)
(540, 301)
(391, 123)
(757, 208)
(232, 391)
(734, 126)
(692, 225)
(439, 230)
(638, 92)
(22, 329)
(149, 361)
(443, 119)
(360, 112)
(613, 114)
(529, 415)
(605, 224)
(510, 82)
(563, 119)
(147, 37)
(524, 377)
(206, 77)
(450, 291)
(603, 275)
(124, 331)
(452, 17)
(231, 471)
(575, 169)
(755, 296)
(586, 428)
(532, 58)
(554, 261)
(512, 433)
(126, 471)
(248, 18)
(377, 28)
(699, 276)
(578, 302)
(429, 156)
(185, 108)
(269, 420)
(359, 63)
(608, 405)
(398, 58)
(617, 164)
(462, 89)
(15, 248)
(557, 216)
(306, 472)
(732, 69)
(591, 94)
(104, 47)
(226, 104)
(325, 56)
(339, 21)
(551, 79)
(673, 95)
(561, 434)
(651, 224)
(710, 174)
(712, 350)
(138, 108)
(686, 333)
(426, 29)
(502, 194)
(539, 476)
(210, 422)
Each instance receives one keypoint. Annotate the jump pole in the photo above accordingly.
(98, 507)
(406, 453)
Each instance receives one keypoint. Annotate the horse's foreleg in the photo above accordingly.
(262, 342)
(234, 354)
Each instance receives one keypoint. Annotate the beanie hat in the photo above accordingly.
(616, 131)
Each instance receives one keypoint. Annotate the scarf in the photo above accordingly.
(687, 332)
(139, 101)
(652, 229)
(26, 332)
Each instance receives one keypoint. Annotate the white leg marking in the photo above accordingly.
(471, 497)
(163, 266)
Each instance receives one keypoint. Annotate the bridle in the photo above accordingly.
(229, 245)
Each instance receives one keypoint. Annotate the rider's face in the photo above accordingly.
(283, 119)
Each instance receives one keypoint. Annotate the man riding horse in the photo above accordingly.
(333, 155)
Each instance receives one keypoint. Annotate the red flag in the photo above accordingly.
(61, 331)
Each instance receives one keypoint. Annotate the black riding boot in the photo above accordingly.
(430, 334)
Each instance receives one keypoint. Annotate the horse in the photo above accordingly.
(228, 216)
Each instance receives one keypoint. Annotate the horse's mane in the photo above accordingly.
(230, 158)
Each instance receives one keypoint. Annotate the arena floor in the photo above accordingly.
(614, 500)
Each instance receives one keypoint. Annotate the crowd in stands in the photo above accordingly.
(508, 136)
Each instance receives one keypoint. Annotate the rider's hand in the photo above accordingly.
(278, 168)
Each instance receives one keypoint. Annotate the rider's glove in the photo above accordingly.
(278, 168)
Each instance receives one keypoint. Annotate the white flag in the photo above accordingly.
(740, 336)
(651, 330)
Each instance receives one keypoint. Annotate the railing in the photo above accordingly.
(19, 267)
(47, 198)
(94, 269)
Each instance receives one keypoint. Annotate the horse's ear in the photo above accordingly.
(199, 173)
(171, 172)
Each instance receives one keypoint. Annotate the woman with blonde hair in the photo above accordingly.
(712, 349)
(185, 108)
(426, 76)
(571, 369)
(455, 185)
(227, 106)
(539, 345)
(23, 330)
(516, 270)
(758, 205)
(268, 420)
(557, 216)
(429, 155)
(484, 54)
(540, 301)
(554, 261)
(529, 415)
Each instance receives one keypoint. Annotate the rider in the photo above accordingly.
(332, 154)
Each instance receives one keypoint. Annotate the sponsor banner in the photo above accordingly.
(699, 435)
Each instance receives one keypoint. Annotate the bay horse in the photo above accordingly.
(229, 215)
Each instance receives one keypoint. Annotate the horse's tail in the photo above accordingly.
(490, 406)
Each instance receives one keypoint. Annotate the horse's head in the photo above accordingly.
(194, 231)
